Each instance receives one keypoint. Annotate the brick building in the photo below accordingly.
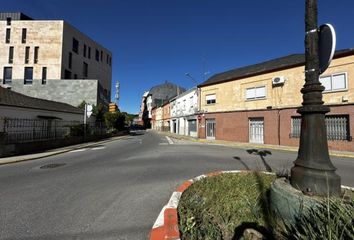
(258, 103)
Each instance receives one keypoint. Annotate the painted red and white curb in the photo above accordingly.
(166, 224)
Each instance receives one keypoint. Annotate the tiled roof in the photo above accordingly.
(290, 61)
(11, 98)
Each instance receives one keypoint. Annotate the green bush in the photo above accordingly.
(114, 120)
(78, 130)
(331, 220)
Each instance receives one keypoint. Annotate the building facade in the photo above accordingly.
(50, 50)
(259, 103)
(183, 113)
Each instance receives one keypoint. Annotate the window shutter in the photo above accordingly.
(338, 82)
(326, 82)
(260, 92)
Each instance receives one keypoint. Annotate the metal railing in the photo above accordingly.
(13, 130)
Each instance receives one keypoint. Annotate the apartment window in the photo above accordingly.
(337, 127)
(44, 75)
(75, 46)
(27, 52)
(110, 61)
(334, 82)
(24, 35)
(101, 56)
(97, 56)
(84, 50)
(28, 79)
(67, 74)
(210, 99)
(8, 35)
(11, 55)
(7, 75)
(89, 52)
(70, 60)
(107, 59)
(191, 102)
(36, 50)
(8, 21)
(256, 93)
(85, 70)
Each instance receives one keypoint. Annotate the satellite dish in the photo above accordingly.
(327, 45)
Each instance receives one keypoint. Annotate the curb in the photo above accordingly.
(247, 145)
(17, 159)
(166, 224)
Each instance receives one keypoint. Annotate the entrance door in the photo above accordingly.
(210, 128)
(256, 129)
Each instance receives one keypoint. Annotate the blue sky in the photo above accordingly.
(160, 40)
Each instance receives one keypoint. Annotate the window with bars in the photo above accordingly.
(337, 127)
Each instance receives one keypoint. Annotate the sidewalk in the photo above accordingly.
(52, 152)
(250, 145)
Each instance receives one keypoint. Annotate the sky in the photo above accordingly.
(161, 40)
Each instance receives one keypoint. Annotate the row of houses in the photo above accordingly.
(258, 104)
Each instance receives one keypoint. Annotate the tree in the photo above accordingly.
(98, 112)
(115, 120)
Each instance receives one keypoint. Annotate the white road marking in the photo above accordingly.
(169, 140)
(79, 150)
(163, 143)
(98, 148)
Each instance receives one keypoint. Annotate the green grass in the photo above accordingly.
(222, 206)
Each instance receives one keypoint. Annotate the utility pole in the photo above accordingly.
(313, 172)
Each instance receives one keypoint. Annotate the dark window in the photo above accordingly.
(70, 60)
(44, 75)
(75, 46)
(28, 75)
(67, 74)
(8, 21)
(110, 61)
(85, 70)
(24, 35)
(27, 55)
(337, 127)
(89, 52)
(36, 49)
(8, 35)
(11, 55)
(75, 76)
(7, 75)
(84, 50)
(107, 59)
(97, 57)
(101, 56)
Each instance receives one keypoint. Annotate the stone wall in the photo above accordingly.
(72, 92)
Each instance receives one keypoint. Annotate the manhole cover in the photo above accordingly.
(52, 165)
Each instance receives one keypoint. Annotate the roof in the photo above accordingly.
(163, 92)
(15, 99)
(294, 60)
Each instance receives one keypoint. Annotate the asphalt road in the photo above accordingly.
(116, 190)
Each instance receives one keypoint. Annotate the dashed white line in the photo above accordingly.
(163, 143)
(169, 140)
(79, 150)
(98, 148)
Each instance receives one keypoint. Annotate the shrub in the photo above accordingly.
(114, 120)
(78, 130)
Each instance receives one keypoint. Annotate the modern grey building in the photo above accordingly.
(53, 60)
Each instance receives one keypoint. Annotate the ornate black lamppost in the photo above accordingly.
(313, 172)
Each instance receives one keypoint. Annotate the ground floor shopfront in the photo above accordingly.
(185, 126)
(276, 127)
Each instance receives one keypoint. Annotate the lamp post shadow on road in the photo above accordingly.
(313, 173)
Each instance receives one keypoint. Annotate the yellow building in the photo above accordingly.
(258, 103)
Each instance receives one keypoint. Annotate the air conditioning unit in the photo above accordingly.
(278, 80)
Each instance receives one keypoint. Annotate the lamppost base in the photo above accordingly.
(315, 182)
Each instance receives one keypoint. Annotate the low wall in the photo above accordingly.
(38, 146)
